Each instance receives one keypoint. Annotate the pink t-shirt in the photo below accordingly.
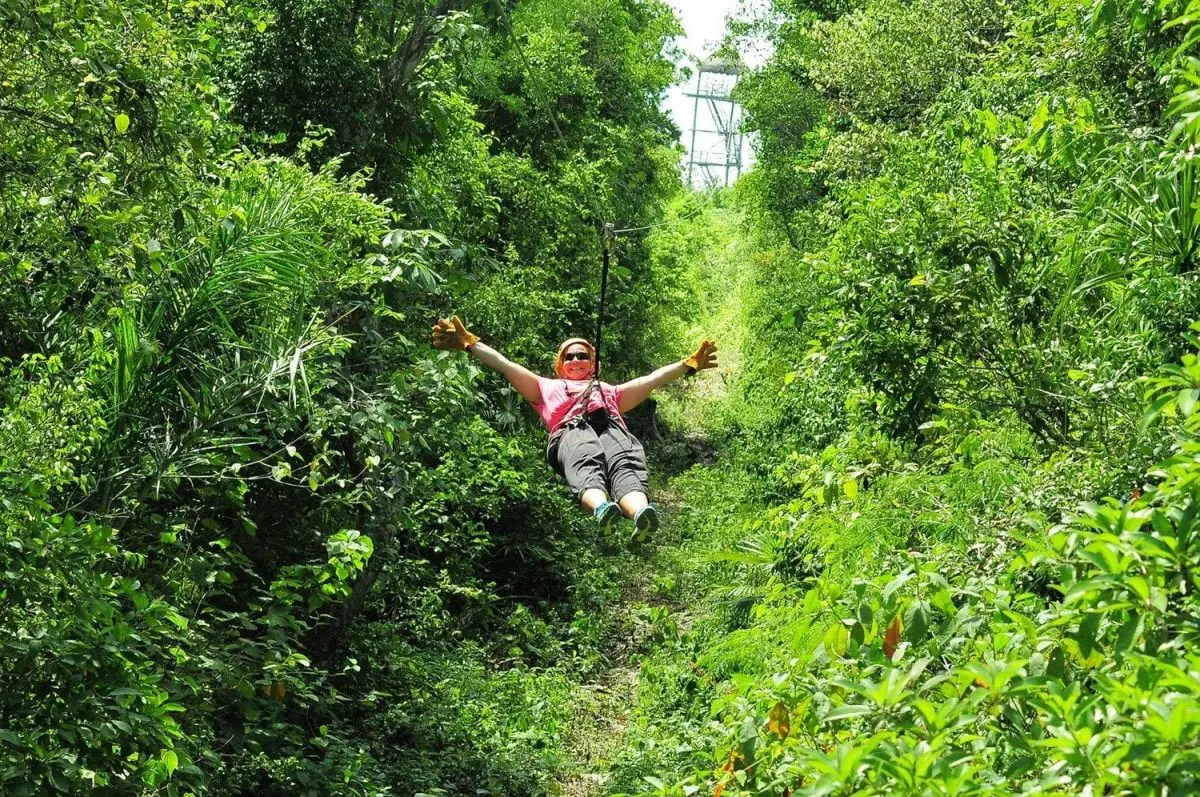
(557, 404)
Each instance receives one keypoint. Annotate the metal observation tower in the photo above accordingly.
(716, 151)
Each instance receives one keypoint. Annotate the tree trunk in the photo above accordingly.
(407, 58)
(327, 640)
(355, 17)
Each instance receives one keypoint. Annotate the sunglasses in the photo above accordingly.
(576, 355)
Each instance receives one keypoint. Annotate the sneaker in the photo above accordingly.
(606, 514)
(645, 523)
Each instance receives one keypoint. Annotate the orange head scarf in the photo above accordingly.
(558, 359)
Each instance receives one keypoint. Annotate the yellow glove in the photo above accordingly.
(704, 357)
(451, 334)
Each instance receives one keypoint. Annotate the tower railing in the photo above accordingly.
(717, 140)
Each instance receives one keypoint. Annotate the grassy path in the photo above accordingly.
(603, 707)
(664, 592)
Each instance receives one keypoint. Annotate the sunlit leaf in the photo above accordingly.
(891, 637)
(779, 720)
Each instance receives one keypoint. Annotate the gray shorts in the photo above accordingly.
(598, 452)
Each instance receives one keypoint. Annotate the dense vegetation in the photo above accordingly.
(258, 537)
(950, 546)
(934, 529)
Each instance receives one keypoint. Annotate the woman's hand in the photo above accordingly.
(635, 391)
(452, 334)
(703, 357)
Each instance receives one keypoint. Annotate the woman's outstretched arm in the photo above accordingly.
(635, 391)
(452, 334)
(520, 377)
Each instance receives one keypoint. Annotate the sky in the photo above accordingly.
(704, 23)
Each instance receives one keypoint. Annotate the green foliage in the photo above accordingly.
(988, 685)
(81, 635)
(946, 561)
(1008, 660)
(955, 222)
(890, 60)
(381, 78)
(101, 125)
(257, 536)
(490, 124)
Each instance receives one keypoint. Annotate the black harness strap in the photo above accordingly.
(606, 236)
(607, 233)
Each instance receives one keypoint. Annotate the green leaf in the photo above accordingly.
(843, 712)
(837, 639)
(1140, 587)
(121, 122)
(1040, 117)
(1187, 401)
(1086, 637)
(895, 584)
(1155, 410)
(1087, 588)
(942, 600)
(916, 624)
(1130, 631)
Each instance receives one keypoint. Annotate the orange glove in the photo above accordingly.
(451, 334)
(704, 357)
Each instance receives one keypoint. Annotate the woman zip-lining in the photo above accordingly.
(590, 445)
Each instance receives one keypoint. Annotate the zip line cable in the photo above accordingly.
(662, 223)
